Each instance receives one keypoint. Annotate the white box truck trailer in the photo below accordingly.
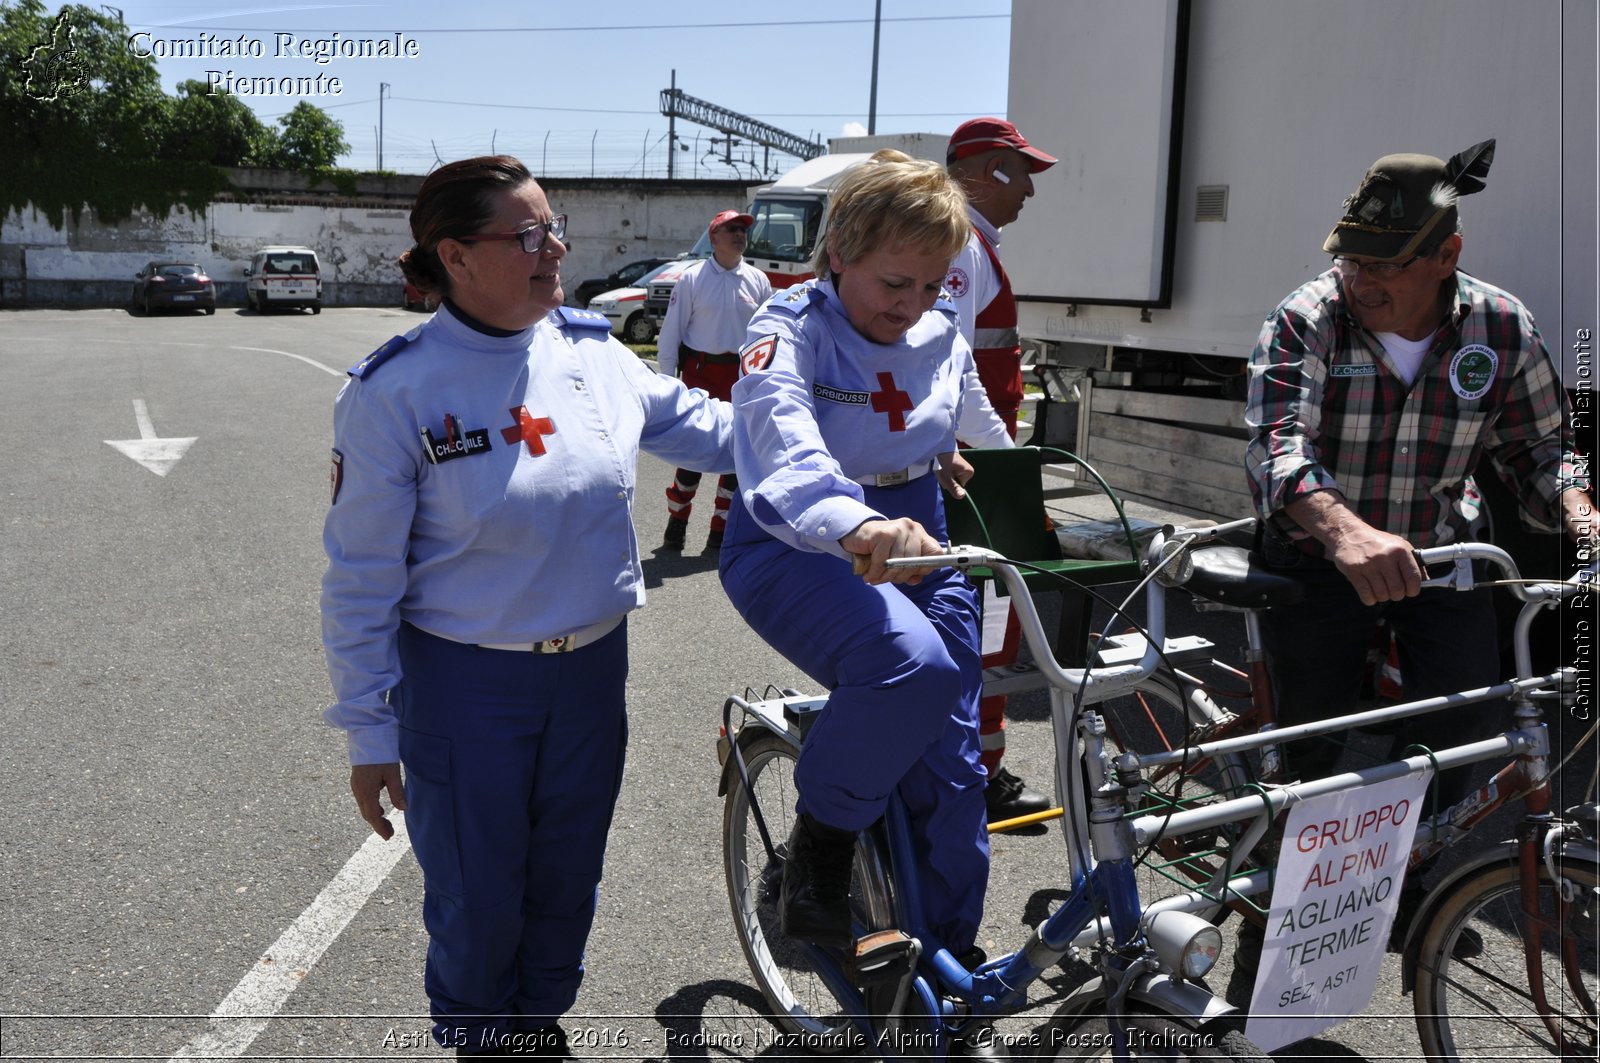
(1206, 148)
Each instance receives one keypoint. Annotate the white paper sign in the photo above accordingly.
(1339, 875)
(996, 611)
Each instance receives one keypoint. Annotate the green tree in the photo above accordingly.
(84, 122)
(81, 116)
(217, 128)
(311, 141)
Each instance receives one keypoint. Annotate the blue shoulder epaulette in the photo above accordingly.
(580, 318)
(945, 303)
(797, 299)
(378, 357)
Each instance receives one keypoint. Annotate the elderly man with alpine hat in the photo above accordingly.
(1374, 389)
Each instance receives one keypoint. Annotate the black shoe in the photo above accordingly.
(714, 541)
(979, 1041)
(1007, 797)
(677, 531)
(814, 905)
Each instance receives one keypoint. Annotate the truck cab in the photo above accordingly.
(791, 217)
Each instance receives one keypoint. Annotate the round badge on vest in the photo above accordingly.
(1472, 371)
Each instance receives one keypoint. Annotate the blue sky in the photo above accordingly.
(518, 77)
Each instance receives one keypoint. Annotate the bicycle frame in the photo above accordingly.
(1104, 905)
(1104, 896)
(1540, 837)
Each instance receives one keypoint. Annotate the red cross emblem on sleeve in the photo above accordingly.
(892, 401)
(531, 430)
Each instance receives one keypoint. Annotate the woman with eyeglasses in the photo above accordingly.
(482, 563)
(855, 388)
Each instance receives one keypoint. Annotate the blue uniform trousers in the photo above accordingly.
(1317, 652)
(902, 667)
(513, 763)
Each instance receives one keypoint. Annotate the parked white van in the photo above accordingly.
(283, 277)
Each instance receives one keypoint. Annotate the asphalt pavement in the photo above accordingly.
(186, 876)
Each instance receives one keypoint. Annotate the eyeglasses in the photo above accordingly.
(532, 238)
(1383, 271)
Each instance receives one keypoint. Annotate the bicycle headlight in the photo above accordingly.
(1187, 945)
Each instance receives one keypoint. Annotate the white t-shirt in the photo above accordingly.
(709, 310)
(1406, 354)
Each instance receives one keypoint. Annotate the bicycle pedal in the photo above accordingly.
(882, 957)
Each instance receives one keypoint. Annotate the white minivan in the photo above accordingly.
(283, 277)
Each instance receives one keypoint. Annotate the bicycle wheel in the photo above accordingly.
(1160, 713)
(1150, 1036)
(801, 1002)
(1473, 1001)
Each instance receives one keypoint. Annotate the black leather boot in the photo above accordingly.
(815, 902)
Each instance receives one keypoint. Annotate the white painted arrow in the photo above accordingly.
(157, 455)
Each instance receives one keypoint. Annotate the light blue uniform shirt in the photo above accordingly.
(524, 530)
(819, 406)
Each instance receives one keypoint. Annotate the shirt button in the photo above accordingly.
(822, 530)
(622, 494)
(1405, 450)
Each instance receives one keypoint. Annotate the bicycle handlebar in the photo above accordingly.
(1460, 556)
(1102, 681)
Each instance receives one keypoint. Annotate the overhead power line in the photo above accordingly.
(545, 31)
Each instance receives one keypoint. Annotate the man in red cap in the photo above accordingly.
(701, 335)
(995, 164)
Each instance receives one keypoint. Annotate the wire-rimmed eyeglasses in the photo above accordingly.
(1383, 271)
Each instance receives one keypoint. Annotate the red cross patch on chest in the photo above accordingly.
(529, 429)
(892, 401)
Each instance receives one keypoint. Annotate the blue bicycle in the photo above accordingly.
(899, 989)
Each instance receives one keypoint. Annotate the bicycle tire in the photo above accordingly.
(1151, 1036)
(1479, 1006)
(800, 1002)
(1179, 864)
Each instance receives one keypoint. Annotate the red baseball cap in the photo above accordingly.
(985, 134)
(728, 217)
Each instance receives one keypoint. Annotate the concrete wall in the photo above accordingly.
(91, 263)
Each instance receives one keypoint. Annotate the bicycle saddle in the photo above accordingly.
(1228, 574)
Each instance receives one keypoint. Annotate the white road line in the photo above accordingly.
(141, 413)
(291, 354)
(258, 997)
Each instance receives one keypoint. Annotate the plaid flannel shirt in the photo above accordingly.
(1327, 411)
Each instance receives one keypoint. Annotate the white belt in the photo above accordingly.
(560, 644)
(896, 478)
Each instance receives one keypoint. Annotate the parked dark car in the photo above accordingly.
(623, 277)
(173, 286)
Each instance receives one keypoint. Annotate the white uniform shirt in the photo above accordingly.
(972, 281)
(709, 310)
(820, 405)
(524, 529)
